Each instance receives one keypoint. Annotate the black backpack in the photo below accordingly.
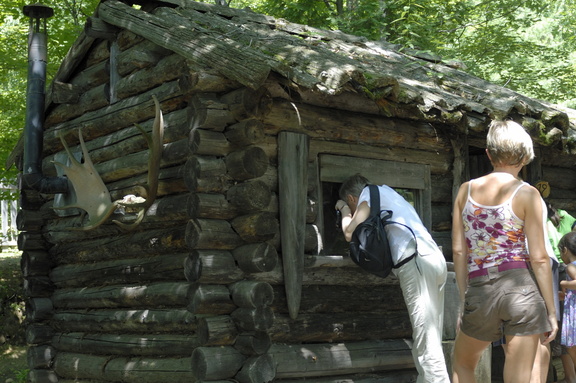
(369, 247)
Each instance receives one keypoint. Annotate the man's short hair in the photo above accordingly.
(509, 144)
(353, 186)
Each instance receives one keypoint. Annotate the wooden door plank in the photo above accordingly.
(292, 181)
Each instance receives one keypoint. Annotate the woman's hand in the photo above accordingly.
(550, 336)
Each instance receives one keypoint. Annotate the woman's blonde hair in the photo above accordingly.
(509, 144)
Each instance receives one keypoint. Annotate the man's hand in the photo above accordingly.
(340, 204)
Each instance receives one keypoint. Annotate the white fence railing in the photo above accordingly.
(8, 211)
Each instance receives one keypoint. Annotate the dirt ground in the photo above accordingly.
(13, 364)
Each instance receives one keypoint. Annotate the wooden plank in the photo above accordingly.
(397, 376)
(123, 369)
(123, 320)
(424, 199)
(292, 182)
(315, 360)
(350, 326)
(460, 168)
(166, 294)
(392, 173)
(126, 344)
(213, 363)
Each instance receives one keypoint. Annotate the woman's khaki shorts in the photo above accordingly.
(504, 303)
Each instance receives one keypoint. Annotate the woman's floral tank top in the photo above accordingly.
(494, 234)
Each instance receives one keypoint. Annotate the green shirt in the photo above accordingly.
(555, 233)
(554, 237)
(566, 221)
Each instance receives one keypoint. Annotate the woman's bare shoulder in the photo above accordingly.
(529, 191)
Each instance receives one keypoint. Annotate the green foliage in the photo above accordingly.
(63, 29)
(310, 12)
(525, 45)
(21, 376)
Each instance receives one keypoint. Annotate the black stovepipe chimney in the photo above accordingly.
(32, 176)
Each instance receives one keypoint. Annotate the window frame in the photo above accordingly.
(396, 174)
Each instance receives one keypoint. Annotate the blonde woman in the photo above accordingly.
(505, 289)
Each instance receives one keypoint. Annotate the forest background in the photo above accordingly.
(525, 45)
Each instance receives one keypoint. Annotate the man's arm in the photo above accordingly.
(349, 221)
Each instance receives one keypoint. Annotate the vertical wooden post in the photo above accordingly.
(292, 185)
(114, 76)
(534, 169)
(460, 170)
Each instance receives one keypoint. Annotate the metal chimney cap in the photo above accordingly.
(38, 11)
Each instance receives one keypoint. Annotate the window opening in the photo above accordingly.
(411, 180)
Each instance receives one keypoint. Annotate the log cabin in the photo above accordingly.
(236, 130)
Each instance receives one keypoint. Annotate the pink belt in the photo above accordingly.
(501, 267)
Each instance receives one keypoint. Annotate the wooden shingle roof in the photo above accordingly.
(247, 47)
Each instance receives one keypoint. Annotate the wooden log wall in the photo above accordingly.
(562, 181)
(196, 292)
(108, 305)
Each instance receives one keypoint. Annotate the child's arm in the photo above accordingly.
(568, 285)
(571, 271)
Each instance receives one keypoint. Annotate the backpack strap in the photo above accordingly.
(406, 260)
(375, 210)
(374, 200)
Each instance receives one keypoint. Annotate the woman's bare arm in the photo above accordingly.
(530, 202)
(459, 248)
